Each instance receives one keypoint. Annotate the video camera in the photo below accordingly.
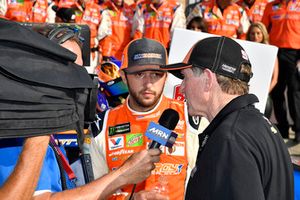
(43, 90)
(66, 31)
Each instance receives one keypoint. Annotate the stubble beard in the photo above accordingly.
(145, 103)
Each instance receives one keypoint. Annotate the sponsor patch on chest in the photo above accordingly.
(116, 142)
(134, 140)
(119, 129)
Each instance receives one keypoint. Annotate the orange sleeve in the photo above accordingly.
(138, 34)
(266, 18)
(242, 36)
(106, 46)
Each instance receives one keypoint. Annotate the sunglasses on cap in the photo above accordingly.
(63, 33)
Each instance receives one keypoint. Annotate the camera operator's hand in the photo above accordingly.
(139, 166)
(134, 170)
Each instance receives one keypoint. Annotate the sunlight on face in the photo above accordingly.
(192, 87)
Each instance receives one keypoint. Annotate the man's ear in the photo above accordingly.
(122, 74)
(209, 78)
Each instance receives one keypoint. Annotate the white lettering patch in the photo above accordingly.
(147, 55)
(228, 68)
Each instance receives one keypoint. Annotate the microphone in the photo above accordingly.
(162, 134)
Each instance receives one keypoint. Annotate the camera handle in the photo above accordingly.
(85, 157)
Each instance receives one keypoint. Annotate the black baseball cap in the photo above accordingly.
(65, 14)
(221, 55)
(142, 55)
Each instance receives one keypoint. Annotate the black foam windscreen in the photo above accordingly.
(169, 119)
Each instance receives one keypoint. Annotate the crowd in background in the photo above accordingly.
(113, 24)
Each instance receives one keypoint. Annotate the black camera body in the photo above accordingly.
(43, 91)
(82, 32)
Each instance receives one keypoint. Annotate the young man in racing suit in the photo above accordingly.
(121, 130)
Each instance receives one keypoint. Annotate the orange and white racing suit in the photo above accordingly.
(19, 10)
(232, 22)
(158, 23)
(115, 29)
(39, 11)
(282, 21)
(256, 11)
(67, 3)
(123, 133)
(92, 17)
(75, 4)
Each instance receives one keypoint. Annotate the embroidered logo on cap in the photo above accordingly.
(244, 55)
(147, 55)
(228, 68)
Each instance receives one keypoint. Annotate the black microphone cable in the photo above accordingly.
(132, 192)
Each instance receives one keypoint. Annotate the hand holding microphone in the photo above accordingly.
(139, 165)
(161, 134)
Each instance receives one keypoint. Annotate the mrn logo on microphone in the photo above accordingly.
(160, 134)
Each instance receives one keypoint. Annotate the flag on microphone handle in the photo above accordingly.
(160, 135)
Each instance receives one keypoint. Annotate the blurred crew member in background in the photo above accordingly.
(280, 18)
(92, 17)
(254, 8)
(197, 24)
(19, 11)
(258, 33)
(223, 17)
(115, 28)
(157, 19)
